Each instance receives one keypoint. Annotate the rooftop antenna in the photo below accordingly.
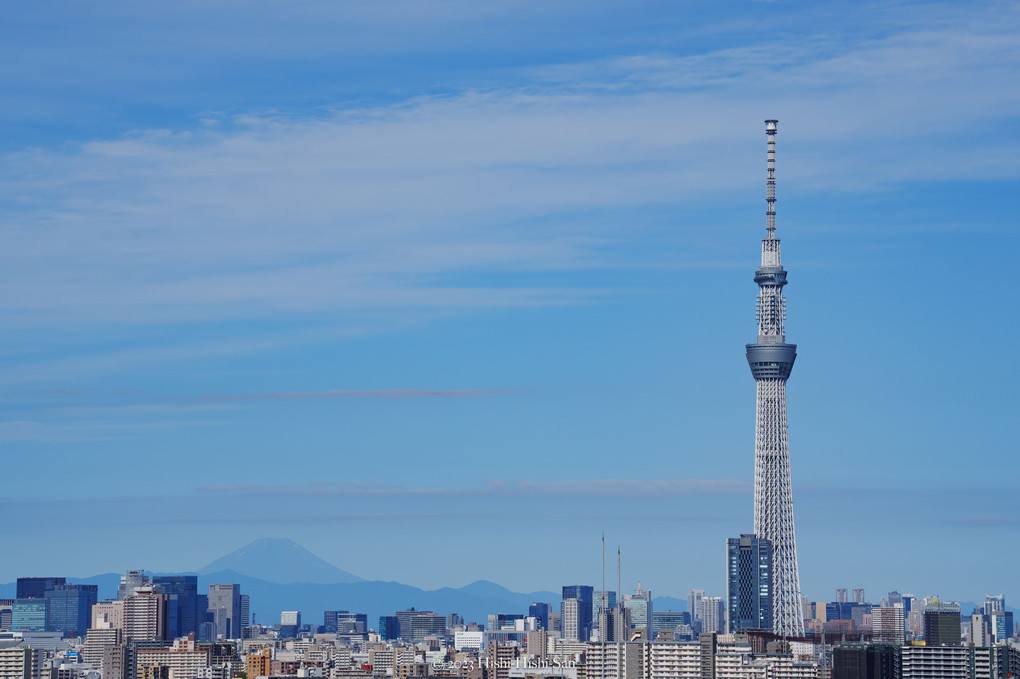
(618, 573)
(602, 632)
(618, 618)
(603, 569)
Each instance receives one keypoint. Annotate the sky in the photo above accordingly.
(446, 290)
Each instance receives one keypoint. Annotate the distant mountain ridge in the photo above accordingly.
(280, 575)
(280, 560)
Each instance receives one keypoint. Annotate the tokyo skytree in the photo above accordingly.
(771, 360)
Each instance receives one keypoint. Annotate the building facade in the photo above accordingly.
(749, 582)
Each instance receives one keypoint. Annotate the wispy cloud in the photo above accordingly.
(553, 489)
(984, 521)
(37, 431)
(367, 393)
(392, 206)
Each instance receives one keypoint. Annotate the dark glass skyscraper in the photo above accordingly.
(389, 627)
(942, 624)
(540, 611)
(69, 608)
(749, 582)
(36, 588)
(183, 612)
(330, 618)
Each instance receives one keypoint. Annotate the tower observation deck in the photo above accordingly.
(771, 361)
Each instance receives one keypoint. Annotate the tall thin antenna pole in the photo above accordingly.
(619, 631)
(618, 590)
(602, 632)
(770, 187)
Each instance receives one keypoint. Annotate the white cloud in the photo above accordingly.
(395, 207)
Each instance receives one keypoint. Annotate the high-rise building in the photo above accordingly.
(69, 608)
(713, 615)
(182, 600)
(329, 620)
(404, 626)
(357, 623)
(36, 588)
(581, 623)
(749, 582)
(614, 624)
(1001, 624)
(389, 627)
(246, 617)
(669, 621)
(694, 597)
(108, 615)
(771, 361)
(858, 595)
(145, 615)
(290, 624)
(993, 603)
(865, 661)
(942, 624)
(888, 625)
(571, 617)
(640, 606)
(130, 582)
(225, 610)
(540, 611)
(116, 663)
(425, 624)
(841, 595)
(599, 600)
(980, 630)
(29, 615)
(96, 643)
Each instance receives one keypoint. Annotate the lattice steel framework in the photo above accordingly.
(771, 360)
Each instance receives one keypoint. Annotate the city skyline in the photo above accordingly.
(395, 274)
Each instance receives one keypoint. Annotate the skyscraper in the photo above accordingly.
(640, 607)
(713, 615)
(993, 602)
(771, 361)
(694, 597)
(69, 608)
(182, 600)
(36, 588)
(129, 582)
(888, 625)
(749, 582)
(145, 615)
(576, 626)
(225, 610)
(540, 611)
(942, 624)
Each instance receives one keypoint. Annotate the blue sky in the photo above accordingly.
(474, 279)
